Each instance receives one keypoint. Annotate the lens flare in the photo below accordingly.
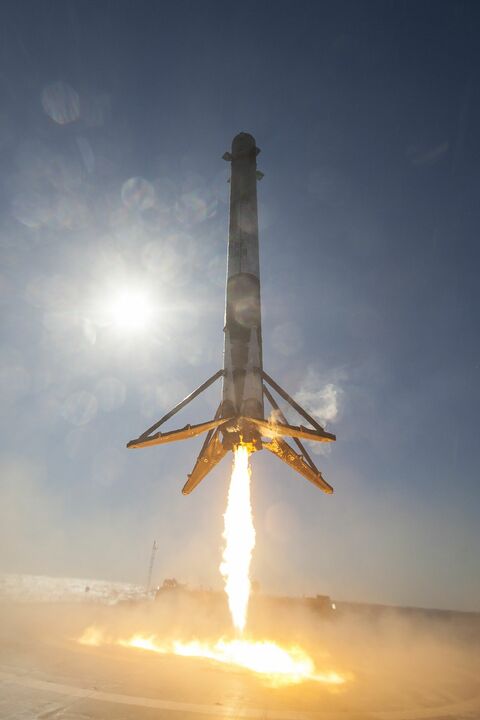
(239, 536)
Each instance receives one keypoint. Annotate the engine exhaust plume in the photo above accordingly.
(239, 536)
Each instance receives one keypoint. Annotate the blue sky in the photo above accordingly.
(113, 121)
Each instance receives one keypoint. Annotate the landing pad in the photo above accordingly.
(423, 671)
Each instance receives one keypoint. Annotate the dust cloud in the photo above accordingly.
(392, 658)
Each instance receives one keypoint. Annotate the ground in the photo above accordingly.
(399, 667)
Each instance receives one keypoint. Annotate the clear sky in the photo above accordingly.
(114, 208)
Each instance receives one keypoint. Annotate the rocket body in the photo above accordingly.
(240, 418)
(242, 394)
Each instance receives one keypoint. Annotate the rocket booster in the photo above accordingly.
(240, 417)
(242, 355)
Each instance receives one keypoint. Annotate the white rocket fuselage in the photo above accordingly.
(242, 380)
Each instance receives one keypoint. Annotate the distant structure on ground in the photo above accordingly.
(172, 590)
(150, 565)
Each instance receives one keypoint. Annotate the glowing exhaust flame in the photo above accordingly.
(93, 636)
(282, 666)
(239, 535)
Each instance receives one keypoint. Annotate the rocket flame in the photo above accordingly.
(280, 666)
(239, 535)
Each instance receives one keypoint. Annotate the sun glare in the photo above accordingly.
(130, 310)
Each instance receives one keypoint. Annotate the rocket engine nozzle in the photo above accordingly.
(239, 431)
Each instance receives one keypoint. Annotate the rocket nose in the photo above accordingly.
(243, 143)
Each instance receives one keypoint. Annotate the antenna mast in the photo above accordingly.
(150, 566)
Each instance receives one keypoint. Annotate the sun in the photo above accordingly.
(129, 310)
